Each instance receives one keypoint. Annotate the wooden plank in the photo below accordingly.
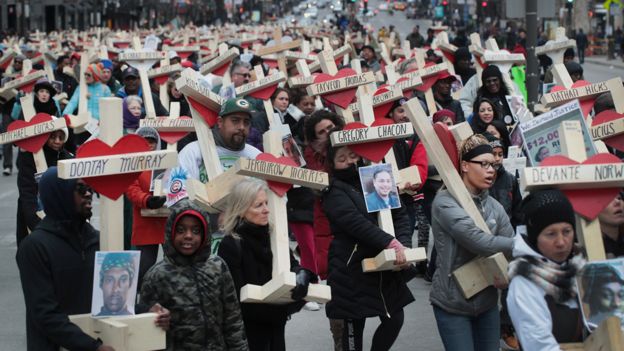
(222, 59)
(384, 261)
(166, 124)
(86, 167)
(139, 56)
(339, 84)
(371, 134)
(281, 173)
(164, 70)
(188, 84)
(22, 81)
(395, 93)
(479, 273)
(576, 176)
(260, 84)
(581, 93)
(267, 50)
(32, 130)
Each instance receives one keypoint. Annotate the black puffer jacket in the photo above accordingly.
(356, 294)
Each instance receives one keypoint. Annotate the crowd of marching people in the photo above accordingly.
(195, 287)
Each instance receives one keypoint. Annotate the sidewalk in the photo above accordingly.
(602, 60)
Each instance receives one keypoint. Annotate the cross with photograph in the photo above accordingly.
(379, 187)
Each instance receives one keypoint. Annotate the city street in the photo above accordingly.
(306, 331)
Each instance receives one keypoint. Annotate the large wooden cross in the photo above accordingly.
(441, 42)
(479, 273)
(385, 260)
(220, 65)
(161, 76)
(278, 48)
(143, 61)
(556, 48)
(582, 91)
(205, 106)
(129, 332)
(83, 120)
(267, 166)
(425, 72)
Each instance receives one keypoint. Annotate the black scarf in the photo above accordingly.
(257, 258)
(557, 280)
(349, 175)
(48, 107)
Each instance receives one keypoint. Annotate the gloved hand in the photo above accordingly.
(304, 277)
(155, 202)
(399, 250)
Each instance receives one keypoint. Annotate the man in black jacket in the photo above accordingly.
(56, 268)
(69, 83)
(442, 94)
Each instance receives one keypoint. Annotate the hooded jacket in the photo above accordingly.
(458, 240)
(56, 270)
(529, 310)
(355, 294)
(27, 202)
(199, 292)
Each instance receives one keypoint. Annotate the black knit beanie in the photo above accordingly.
(462, 53)
(573, 67)
(542, 208)
(491, 71)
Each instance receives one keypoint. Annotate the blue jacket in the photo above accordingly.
(96, 91)
(374, 202)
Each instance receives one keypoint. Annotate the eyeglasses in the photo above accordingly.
(246, 75)
(83, 189)
(486, 164)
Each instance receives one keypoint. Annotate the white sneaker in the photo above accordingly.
(312, 306)
(7, 171)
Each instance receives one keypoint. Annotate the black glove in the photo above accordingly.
(304, 277)
(155, 202)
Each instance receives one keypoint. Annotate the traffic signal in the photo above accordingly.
(444, 3)
(484, 4)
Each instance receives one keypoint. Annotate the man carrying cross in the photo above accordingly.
(56, 264)
(132, 86)
(230, 135)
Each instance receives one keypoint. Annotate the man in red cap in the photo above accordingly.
(442, 94)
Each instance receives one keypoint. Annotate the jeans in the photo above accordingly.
(465, 333)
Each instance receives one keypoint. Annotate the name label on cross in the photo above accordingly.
(219, 61)
(142, 55)
(259, 84)
(388, 96)
(576, 176)
(554, 46)
(586, 91)
(117, 164)
(342, 83)
(31, 131)
(371, 134)
(282, 173)
(165, 70)
(166, 124)
(502, 57)
(300, 81)
(608, 129)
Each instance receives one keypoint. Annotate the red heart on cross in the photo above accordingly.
(586, 104)
(36, 142)
(209, 115)
(382, 110)
(112, 186)
(341, 98)
(428, 81)
(174, 137)
(220, 71)
(617, 141)
(374, 151)
(271, 63)
(448, 142)
(264, 93)
(277, 187)
(161, 79)
(587, 202)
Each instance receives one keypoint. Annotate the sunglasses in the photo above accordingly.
(83, 189)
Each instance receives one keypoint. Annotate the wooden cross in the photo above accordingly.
(32, 130)
(161, 76)
(341, 52)
(607, 337)
(220, 65)
(590, 91)
(556, 48)
(278, 289)
(477, 51)
(577, 176)
(204, 105)
(338, 84)
(143, 61)
(501, 58)
(385, 260)
(182, 51)
(448, 50)
(479, 273)
(129, 332)
(427, 71)
(279, 48)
